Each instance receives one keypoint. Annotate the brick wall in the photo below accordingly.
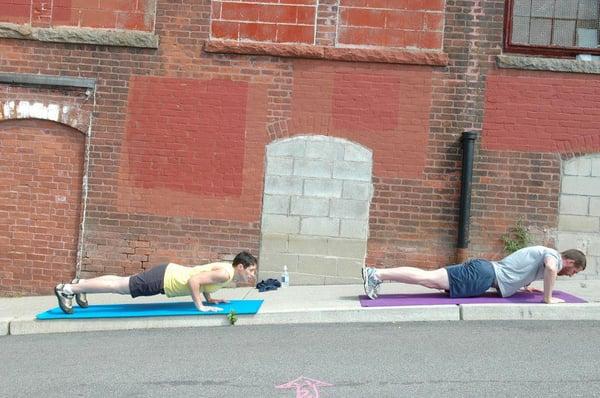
(181, 208)
(41, 166)
(115, 14)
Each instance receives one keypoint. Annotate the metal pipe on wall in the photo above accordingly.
(468, 150)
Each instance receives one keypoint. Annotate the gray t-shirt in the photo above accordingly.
(523, 267)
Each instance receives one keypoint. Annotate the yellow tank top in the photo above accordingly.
(177, 277)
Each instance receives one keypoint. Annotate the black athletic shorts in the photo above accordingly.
(148, 283)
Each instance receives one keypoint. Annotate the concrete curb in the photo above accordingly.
(28, 325)
(4, 326)
(555, 312)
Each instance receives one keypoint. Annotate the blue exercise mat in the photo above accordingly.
(241, 307)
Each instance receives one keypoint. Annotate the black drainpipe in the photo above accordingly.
(468, 149)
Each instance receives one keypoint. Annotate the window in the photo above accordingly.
(552, 27)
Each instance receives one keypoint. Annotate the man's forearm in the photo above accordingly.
(549, 279)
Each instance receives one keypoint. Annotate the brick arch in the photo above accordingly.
(68, 114)
(41, 171)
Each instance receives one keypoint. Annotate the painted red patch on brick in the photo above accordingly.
(541, 111)
(383, 108)
(187, 135)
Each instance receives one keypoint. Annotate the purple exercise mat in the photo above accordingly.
(400, 300)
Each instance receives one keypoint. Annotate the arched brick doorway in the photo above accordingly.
(41, 169)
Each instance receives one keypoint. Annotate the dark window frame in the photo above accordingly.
(555, 51)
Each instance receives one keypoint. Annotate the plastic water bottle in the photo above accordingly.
(285, 277)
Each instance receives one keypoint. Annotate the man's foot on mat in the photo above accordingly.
(65, 301)
(371, 283)
(81, 298)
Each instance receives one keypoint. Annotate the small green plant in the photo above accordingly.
(232, 316)
(517, 238)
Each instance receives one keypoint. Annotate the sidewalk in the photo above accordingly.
(300, 304)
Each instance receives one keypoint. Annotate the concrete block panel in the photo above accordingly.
(323, 188)
(276, 204)
(324, 149)
(283, 185)
(579, 223)
(294, 147)
(278, 224)
(317, 265)
(321, 226)
(306, 206)
(313, 168)
(302, 245)
(356, 190)
(354, 229)
(351, 209)
(280, 166)
(580, 186)
(574, 204)
(355, 153)
(348, 248)
(354, 171)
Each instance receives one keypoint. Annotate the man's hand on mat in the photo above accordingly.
(531, 289)
(204, 308)
(216, 301)
(554, 300)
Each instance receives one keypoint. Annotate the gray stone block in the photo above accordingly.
(293, 147)
(595, 206)
(317, 265)
(324, 188)
(596, 166)
(354, 171)
(352, 209)
(357, 153)
(324, 149)
(581, 166)
(299, 244)
(276, 204)
(572, 240)
(574, 204)
(283, 185)
(347, 248)
(313, 168)
(581, 186)
(274, 243)
(320, 226)
(274, 262)
(278, 224)
(280, 166)
(579, 223)
(350, 268)
(357, 190)
(305, 206)
(357, 229)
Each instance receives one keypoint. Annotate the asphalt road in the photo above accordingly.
(429, 359)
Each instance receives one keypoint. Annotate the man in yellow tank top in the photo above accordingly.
(171, 279)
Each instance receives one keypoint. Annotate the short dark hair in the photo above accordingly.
(244, 258)
(576, 255)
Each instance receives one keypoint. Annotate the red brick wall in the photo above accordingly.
(542, 112)
(397, 23)
(115, 14)
(41, 169)
(412, 118)
(279, 21)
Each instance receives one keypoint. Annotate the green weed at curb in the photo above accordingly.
(232, 316)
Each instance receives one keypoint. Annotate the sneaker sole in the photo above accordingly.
(66, 310)
(80, 302)
(365, 277)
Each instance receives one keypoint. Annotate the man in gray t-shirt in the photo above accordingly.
(474, 277)
(523, 267)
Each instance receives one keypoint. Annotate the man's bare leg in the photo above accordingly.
(435, 279)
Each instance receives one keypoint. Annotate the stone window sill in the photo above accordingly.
(106, 37)
(353, 54)
(547, 64)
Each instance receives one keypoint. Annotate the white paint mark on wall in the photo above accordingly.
(23, 110)
(53, 112)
